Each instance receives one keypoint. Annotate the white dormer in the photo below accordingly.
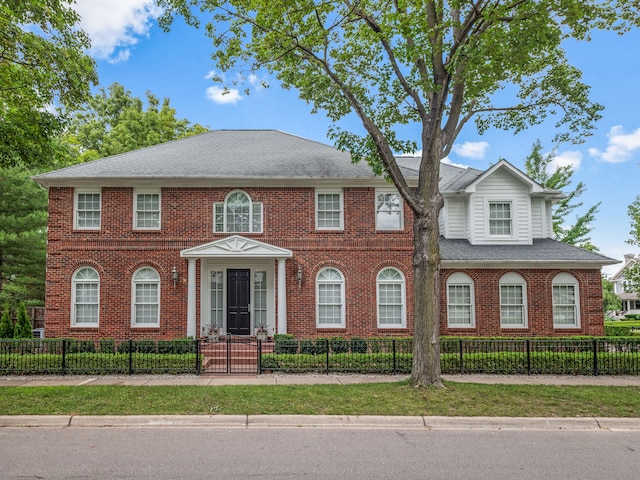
(500, 206)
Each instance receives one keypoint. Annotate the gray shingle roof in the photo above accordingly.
(543, 250)
(240, 155)
(223, 154)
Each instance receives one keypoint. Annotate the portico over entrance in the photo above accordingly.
(238, 286)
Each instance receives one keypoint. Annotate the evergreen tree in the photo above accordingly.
(6, 324)
(538, 167)
(23, 235)
(23, 323)
(610, 299)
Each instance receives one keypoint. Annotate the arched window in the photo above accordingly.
(85, 298)
(330, 298)
(238, 214)
(460, 301)
(146, 298)
(513, 301)
(566, 304)
(391, 299)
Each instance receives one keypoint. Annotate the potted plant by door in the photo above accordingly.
(261, 332)
(213, 332)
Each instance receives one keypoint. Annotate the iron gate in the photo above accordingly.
(229, 354)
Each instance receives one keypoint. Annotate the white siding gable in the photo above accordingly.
(501, 187)
(455, 224)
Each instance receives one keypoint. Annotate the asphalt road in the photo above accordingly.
(176, 452)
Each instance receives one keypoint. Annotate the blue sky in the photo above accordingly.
(131, 49)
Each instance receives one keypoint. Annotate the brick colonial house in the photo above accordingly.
(242, 229)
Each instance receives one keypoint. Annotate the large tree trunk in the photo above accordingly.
(426, 290)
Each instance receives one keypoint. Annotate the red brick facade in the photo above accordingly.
(116, 251)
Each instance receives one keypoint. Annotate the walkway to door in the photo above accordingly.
(232, 354)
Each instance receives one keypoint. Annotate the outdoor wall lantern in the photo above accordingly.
(174, 276)
(299, 276)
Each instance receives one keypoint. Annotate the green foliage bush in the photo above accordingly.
(23, 324)
(6, 324)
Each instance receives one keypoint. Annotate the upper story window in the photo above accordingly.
(566, 311)
(238, 214)
(146, 210)
(460, 301)
(85, 298)
(329, 209)
(146, 298)
(87, 205)
(513, 301)
(330, 298)
(391, 299)
(500, 218)
(389, 210)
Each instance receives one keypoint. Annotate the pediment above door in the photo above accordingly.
(236, 246)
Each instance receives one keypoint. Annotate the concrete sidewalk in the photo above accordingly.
(305, 379)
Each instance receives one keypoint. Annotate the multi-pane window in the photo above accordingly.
(260, 298)
(389, 211)
(238, 214)
(500, 218)
(513, 311)
(391, 298)
(217, 290)
(330, 298)
(147, 211)
(460, 306)
(86, 298)
(565, 301)
(146, 298)
(329, 211)
(88, 209)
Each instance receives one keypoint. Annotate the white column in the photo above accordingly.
(191, 299)
(282, 296)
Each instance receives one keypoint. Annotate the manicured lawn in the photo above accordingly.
(458, 399)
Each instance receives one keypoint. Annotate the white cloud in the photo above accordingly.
(473, 150)
(116, 25)
(570, 158)
(221, 95)
(621, 145)
(448, 161)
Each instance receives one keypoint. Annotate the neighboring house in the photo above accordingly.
(630, 300)
(243, 229)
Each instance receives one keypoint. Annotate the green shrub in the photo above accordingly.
(617, 330)
(358, 345)
(107, 345)
(284, 343)
(6, 324)
(338, 345)
(23, 324)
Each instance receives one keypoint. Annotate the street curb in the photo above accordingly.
(324, 421)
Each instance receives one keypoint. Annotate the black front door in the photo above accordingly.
(238, 298)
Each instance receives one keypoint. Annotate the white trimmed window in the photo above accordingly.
(146, 210)
(566, 312)
(329, 209)
(500, 218)
(260, 298)
(87, 205)
(460, 301)
(513, 301)
(146, 298)
(85, 298)
(330, 309)
(237, 214)
(391, 299)
(389, 210)
(217, 299)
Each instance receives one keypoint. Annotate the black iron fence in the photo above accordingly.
(589, 356)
